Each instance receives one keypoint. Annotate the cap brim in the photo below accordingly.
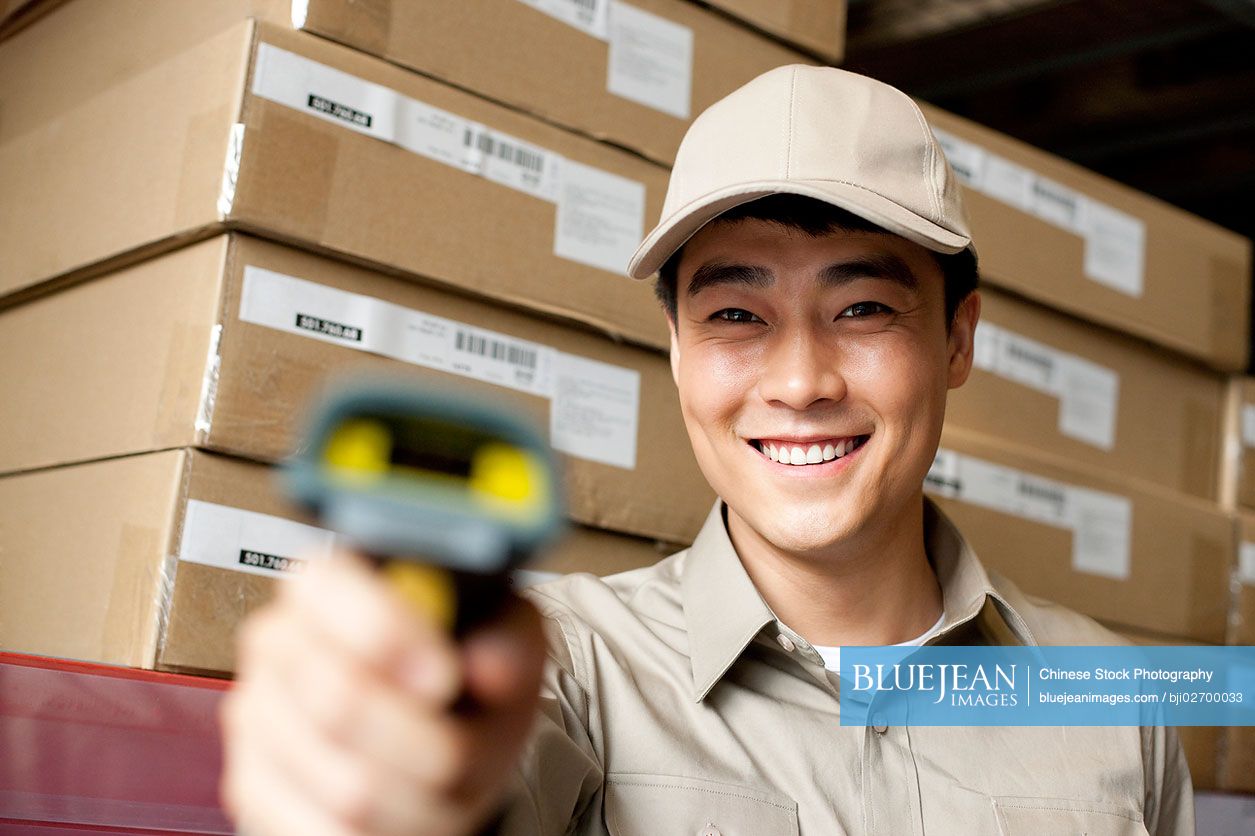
(683, 224)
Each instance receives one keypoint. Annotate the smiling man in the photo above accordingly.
(816, 270)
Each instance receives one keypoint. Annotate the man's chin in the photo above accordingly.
(803, 531)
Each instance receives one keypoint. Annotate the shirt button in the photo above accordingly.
(880, 729)
(786, 643)
(710, 830)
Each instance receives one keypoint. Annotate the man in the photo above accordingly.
(818, 276)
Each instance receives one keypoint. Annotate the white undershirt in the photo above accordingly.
(832, 655)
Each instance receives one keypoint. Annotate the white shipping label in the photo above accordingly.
(600, 217)
(1088, 393)
(379, 111)
(1248, 424)
(985, 346)
(1088, 399)
(247, 541)
(1027, 362)
(943, 476)
(1115, 248)
(512, 162)
(1102, 533)
(1057, 204)
(362, 322)
(1246, 563)
(595, 410)
(651, 60)
(966, 159)
(1101, 523)
(1012, 492)
(326, 92)
(592, 16)
(1115, 241)
(1008, 182)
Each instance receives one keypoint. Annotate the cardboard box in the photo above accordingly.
(1112, 548)
(1236, 769)
(221, 344)
(1201, 743)
(1242, 582)
(288, 135)
(140, 560)
(631, 73)
(1071, 239)
(817, 26)
(1237, 460)
(1063, 386)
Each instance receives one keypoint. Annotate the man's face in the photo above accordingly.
(832, 351)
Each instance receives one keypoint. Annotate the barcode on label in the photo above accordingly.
(585, 9)
(495, 349)
(494, 147)
(1031, 357)
(1035, 490)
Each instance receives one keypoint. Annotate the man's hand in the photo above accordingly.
(342, 721)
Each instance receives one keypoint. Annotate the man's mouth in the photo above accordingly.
(812, 451)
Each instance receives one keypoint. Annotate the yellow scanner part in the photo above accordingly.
(508, 479)
(360, 449)
(428, 589)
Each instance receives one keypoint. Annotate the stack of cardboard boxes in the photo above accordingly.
(211, 207)
(1082, 458)
(1236, 770)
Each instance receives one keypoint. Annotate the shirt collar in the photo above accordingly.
(724, 611)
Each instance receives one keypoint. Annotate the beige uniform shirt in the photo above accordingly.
(675, 702)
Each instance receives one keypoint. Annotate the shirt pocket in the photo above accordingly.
(1021, 816)
(638, 804)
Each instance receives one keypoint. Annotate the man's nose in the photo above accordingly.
(801, 370)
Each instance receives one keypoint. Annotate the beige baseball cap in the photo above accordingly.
(819, 132)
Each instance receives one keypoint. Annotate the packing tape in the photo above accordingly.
(206, 142)
(138, 599)
(205, 611)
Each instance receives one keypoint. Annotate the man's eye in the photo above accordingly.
(860, 309)
(734, 315)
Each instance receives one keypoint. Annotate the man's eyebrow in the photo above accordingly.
(879, 266)
(722, 272)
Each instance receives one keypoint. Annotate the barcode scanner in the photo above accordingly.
(446, 492)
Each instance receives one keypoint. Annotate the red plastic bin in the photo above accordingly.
(96, 748)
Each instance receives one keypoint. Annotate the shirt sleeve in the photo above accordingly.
(560, 773)
(1169, 804)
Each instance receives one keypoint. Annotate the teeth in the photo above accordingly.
(814, 454)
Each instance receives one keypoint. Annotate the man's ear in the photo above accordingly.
(675, 350)
(963, 339)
